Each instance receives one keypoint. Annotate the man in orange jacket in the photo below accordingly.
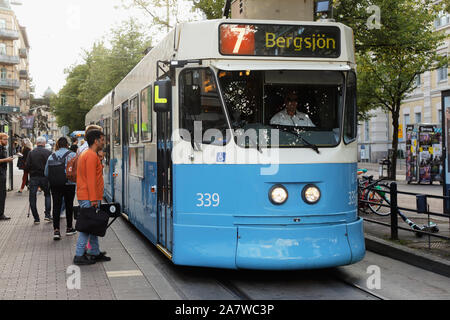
(90, 194)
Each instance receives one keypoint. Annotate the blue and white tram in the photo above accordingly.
(202, 170)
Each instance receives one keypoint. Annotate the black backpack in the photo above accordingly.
(57, 170)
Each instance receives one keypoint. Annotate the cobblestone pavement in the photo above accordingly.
(33, 266)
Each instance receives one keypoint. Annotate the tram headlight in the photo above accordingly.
(311, 194)
(278, 194)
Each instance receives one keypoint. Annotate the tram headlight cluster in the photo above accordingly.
(311, 194)
(278, 194)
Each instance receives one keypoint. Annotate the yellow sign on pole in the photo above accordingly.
(400, 131)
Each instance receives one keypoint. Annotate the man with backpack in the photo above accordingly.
(61, 188)
(35, 165)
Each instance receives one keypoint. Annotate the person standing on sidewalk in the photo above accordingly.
(90, 194)
(64, 192)
(26, 148)
(35, 165)
(4, 160)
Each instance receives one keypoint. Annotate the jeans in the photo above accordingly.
(42, 182)
(83, 238)
(61, 195)
(2, 193)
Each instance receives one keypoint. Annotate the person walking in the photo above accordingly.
(35, 164)
(4, 160)
(61, 188)
(74, 145)
(90, 193)
(26, 148)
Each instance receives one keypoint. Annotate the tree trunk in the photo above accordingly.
(393, 174)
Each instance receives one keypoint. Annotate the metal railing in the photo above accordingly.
(9, 84)
(422, 207)
(7, 59)
(9, 34)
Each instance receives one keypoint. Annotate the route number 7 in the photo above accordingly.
(239, 39)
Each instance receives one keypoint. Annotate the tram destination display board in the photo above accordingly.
(310, 41)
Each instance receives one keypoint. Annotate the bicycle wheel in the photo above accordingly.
(379, 202)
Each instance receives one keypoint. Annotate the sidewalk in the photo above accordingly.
(35, 267)
(438, 248)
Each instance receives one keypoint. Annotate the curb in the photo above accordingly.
(413, 257)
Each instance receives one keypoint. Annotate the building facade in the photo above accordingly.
(14, 68)
(423, 105)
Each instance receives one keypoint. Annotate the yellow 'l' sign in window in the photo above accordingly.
(157, 98)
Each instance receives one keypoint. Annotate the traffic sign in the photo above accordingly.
(6, 109)
(65, 130)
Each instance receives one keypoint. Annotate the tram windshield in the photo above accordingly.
(305, 106)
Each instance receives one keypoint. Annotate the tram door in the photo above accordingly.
(164, 189)
(125, 158)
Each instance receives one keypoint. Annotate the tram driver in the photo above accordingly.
(290, 116)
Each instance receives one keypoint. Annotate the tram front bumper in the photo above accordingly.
(269, 247)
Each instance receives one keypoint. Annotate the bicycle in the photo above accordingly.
(375, 194)
(377, 197)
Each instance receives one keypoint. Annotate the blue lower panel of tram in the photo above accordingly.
(271, 248)
(245, 230)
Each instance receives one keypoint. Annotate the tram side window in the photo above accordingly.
(107, 150)
(116, 127)
(350, 109)
(133, 121)
(200, 104)
(146, 114)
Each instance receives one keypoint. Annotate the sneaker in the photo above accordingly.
(83, 260)
(3, 217)
(70, 231)
(56, 235)
(101, 257)
(36, 222)
(48, 219)
(19, 191)
(62, 215)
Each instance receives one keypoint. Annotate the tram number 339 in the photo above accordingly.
(208, 200)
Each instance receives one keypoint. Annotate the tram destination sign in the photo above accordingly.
(280, 40)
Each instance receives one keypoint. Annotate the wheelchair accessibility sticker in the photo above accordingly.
(221, 156)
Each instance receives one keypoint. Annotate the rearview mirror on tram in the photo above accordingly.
(163, 96)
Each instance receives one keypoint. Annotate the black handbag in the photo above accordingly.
(92, 221)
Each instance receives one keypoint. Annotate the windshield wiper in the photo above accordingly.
(306, 142)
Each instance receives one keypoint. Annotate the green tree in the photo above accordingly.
(103, 68)
(212, 9)
(66, 105)
(392, 56)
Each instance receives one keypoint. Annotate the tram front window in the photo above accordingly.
(305, 106)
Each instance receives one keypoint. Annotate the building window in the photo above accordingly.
(439, 116)
(3, 100)
(405, 123)
(442, 73)
(417, 80)
(418, 117)
(366, 130)
(442, 20)
(3, 74)
(2, 24)
(3, 48)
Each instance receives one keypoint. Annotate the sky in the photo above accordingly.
(58, 30)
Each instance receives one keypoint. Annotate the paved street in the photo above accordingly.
(34, 266)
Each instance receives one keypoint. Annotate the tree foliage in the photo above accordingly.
(101, 70)
(212, 9)
(392, 56)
